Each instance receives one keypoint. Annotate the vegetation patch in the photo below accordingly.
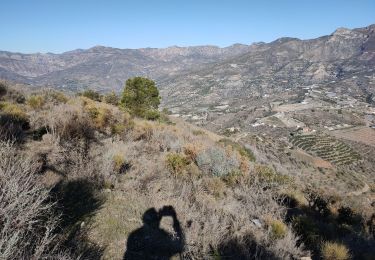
(277, 229)
(265, 174)
(217, 162)
(176, 163)
(242, 150)
(36, 101)
(335, 251)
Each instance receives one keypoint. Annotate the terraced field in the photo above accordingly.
(326, 147)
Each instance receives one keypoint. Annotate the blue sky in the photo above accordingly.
(62, 25)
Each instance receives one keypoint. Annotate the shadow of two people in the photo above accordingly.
(152, 242)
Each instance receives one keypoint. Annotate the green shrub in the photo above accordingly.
(278, 229)
(112, 99)
(91, 94)
(36, 101)
(151, 114)
(176, 163)
(335, 251)
(118, 129)
(140, 97)
(198, 132)
(13, 110)
(265, 174)
(243, 151)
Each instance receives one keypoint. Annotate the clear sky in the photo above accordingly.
(63, 25)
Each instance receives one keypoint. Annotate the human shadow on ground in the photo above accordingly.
(152, 242)
(77, 201)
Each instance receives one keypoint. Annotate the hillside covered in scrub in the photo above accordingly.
(82, 177)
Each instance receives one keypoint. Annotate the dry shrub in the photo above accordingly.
(111, 98)
(3, 89)
(233, 178)
(55, 97)
(68, 122)
(118, 161)
(123, 123)
(142, 131)
(165, 139)
(101, 114)
(242, 150)
(102, 117)
(334, 251)
(27, 223)
(214, 186)
(192, 150)
(215, 161)
(7, 92)
(13, 121)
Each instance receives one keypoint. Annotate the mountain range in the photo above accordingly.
(207, 74)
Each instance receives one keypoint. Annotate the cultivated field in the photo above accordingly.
(326, 147)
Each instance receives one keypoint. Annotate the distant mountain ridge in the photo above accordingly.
(107, 68)
(203, 72)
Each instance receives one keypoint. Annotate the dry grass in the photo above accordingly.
(27, 220)
(97, 148)
(69, 122)
(334, 251)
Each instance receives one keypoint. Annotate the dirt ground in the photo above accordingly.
(361, 134)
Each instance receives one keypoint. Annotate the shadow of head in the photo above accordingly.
(152, 242)
(151, 218)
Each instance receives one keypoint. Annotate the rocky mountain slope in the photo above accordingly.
(107, 68)
(279, 66)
